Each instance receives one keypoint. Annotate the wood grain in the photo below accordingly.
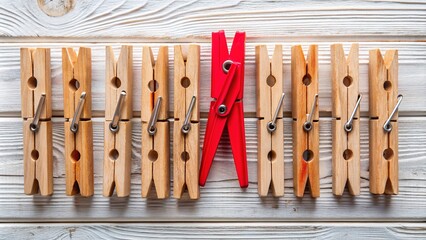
(195, 20)
(222, 192)
(374, 24)
(345, 81)
(270, 157)
(383, 79)
(237, 230)
(186, 150)
(412, 59)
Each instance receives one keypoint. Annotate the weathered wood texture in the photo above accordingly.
(221, 198)
(374, 24)
(188, 20)
(412, 59)
(214, 230)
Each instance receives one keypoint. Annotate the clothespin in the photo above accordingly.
(77, 81)
(186, 141)
(118, 125)
(304, 81)
(384, 103)
(155, 127)
(345, 127)
(270, 142)
(226, 109)
(36, 96)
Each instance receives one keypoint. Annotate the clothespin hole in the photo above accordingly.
(75, 155)
(347, 154)
(307, 79)
(74, 84)
(184, 156)
(388, 153)
(387, 85)
(116, 82)
(308, 155)
(153, 85)
(272, 155)
(34, 154)
(185, 82)
(271, 80)
(113, 154)
(347, 81)
(32, 82)
(226, 66)
(152, 155)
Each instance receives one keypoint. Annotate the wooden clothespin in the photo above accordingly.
(36, 96)
(270, 142)
(77, 81)
(155, 127)
(384, 103)
(118, 125)
(345, 126)
(186, 150)
(304, 81)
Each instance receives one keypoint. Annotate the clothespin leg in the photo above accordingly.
(123, 163)
(277, 160)
(161, 165)
(314, 180)
(179, 170)
(238, 142)
(211, 142)
(71, 157)
(264, 166)
(191, 175)
(85, 179)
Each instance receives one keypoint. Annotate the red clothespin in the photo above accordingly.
(226, 109)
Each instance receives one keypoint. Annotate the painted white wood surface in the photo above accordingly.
(215, 230)
(383, 24)
(182, 20)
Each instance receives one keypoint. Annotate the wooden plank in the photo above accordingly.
(237, 230)
(412, 59)
(181, 19)
(221, 198)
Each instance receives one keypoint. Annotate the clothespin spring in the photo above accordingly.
(272, 125)
(388, 126)
(76, 117)
(348, 124)
(152, 129)
(113, 126)
(307, 126)
(35, 124)
(186, 124)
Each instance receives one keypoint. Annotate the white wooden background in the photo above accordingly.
(224, 210)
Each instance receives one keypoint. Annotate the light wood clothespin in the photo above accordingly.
(345, 125)
(155, 127)
(270, 142)
(36, 96)
(77, 81)
(304, 80)
(118, 125)
(384, 103)
(186, 143)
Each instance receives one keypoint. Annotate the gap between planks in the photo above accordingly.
(261, 40)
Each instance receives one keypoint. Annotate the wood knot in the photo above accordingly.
(56, 8)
